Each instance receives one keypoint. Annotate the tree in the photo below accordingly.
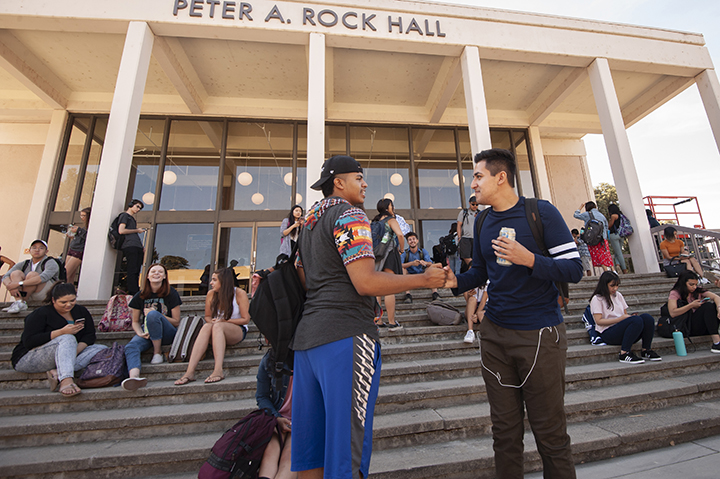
(605, 194)
(174, 262)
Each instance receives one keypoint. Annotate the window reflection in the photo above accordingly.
(437, 172)
(235, 246)
(93, 163)
(71, 167)
(146, 160)
(268, 246)
(433, 230)
(383, 154)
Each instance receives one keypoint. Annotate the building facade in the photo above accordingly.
(218, 114)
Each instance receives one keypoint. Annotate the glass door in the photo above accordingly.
(248, 247)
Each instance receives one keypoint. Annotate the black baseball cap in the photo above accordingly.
(472, 199)
(336, 165)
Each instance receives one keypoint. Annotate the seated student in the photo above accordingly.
(226, 319)
(58, 339)
(674, 248)
(616, 326)
(155, 318)
(475, 301)
(686, 296)
(415, 260)
(274, 395)
(584, 252)
(32, 279)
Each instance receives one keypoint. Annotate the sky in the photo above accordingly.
(674, 150)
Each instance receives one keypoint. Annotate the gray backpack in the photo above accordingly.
(443, 314)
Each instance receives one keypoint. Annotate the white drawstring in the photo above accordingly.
(537, 352)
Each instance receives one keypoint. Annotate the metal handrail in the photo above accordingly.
(704, 244)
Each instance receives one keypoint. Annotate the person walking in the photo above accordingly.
(523, 340)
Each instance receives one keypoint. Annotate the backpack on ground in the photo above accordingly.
(532, 214)
(115, 239)
(185, 336)
(624, 228)
(382, 237)
(442, 313)
(593, 233)
(589, 321)
(667, 325)
(237, 454)
(276, 309)
(106, 368)
(62, 272)
(117, 315)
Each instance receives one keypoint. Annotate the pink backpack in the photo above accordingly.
(117, 315)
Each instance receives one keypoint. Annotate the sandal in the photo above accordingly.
(214, 379)
(184, 380)
(73, 389)
(53, 380)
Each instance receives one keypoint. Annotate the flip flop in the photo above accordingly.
(214, 379)
(184, 380)
(72, 386)
(53, 380)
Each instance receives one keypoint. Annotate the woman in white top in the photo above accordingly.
(226, 319)
(616, 326)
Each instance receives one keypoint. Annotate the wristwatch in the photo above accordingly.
(20, 283)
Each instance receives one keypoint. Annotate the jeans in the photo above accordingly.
(629, 330)
(616, 242)
(59, 353)
(511, 354)
(159, 328)
(454, 263)
(134, 258)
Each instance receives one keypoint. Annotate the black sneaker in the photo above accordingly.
(630, 358)
(408, 298)
(435, 296)
(715, 348)
(651, 355)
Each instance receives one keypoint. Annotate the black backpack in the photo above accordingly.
(532, 213)
(276, 309)
(114, 237)
(237, 454)
(593, 233)
(62, 273)
(448, 243)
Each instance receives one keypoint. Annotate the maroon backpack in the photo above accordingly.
(106, 368)
(237, 454)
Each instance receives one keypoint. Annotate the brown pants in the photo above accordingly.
(511, 353)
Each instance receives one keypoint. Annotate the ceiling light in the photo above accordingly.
(245, 178)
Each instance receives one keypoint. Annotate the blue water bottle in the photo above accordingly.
(679, 343)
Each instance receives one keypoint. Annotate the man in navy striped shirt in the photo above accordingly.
(523, 341)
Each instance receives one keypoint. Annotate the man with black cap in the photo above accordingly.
(337, 352)
(31, 279)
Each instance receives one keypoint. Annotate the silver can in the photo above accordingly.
(510, 234)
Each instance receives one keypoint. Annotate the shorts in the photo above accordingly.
(465, 248)
(75, 254)
(40, 294)
(335, 387)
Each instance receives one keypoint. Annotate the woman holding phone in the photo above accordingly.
(58, 339)
(687, 296)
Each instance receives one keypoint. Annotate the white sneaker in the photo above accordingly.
(469, 337)
(133, 384)
(704, 280)
(7, 310)
(157, 359)
(17, 306)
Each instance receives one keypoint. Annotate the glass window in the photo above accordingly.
(433, 230)
(525, 174)
(258, 167)
(146, 160)
(93, 163)
(71, 166)
(190, 177)
(184, 249)
(437, 172)
(235, 246)
(268, 246)
(383, 154)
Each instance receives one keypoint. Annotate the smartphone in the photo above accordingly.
(706, 299)
(80, 321)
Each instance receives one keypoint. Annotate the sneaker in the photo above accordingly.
(7, 310)
(651, 355)
(408, 298)
(715, 348)
(17, 306)
(157, 359)
(704, 280)
(394, 327)
(469, 337)
(630, 358)
(133, 384)
(435, 296)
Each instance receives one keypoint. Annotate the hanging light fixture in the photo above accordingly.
(298, 198)
(245, 178)
(257, 198)
(389, 196)
(169, 177)
(396, 179)
(456, 180)
(148, 198)
(288, 178)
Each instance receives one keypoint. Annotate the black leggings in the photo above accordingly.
(704, 320)
(134, 258)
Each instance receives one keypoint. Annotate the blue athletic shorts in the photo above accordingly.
(331, 384)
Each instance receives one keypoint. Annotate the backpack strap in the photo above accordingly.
(25, 265)
(479, 222)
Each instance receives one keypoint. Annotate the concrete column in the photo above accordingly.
(41, 194)
(316, 115)
(709, 88)
(475, 104)
(642, 246)
(543, 183)
(116, 161)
